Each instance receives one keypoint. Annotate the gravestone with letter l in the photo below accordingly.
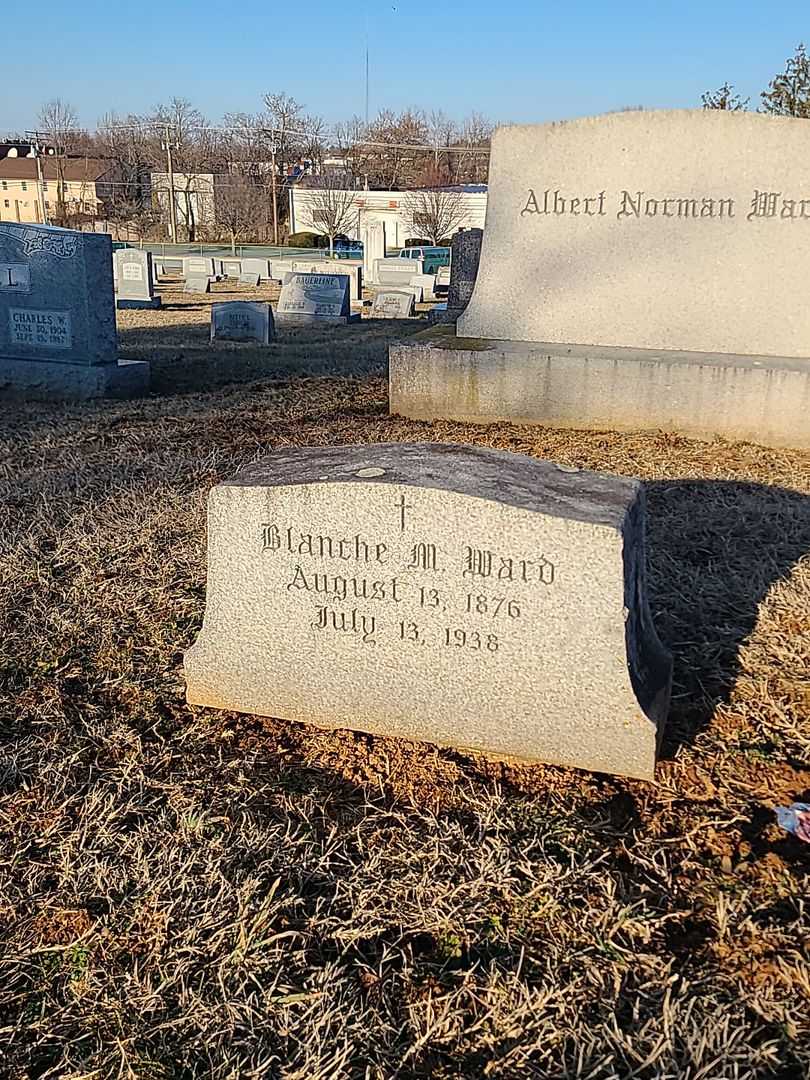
(240, 320)
(58, 338)
(134, 275)
(453, 594)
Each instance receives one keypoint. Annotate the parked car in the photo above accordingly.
(345, 248)
(432, 257)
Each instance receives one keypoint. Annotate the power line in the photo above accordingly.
(319, 136)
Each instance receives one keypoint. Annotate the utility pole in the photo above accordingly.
(168, 146)
(36, 146)
(273, 150)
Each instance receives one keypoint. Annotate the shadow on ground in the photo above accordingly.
(184, 359)
(715, 550)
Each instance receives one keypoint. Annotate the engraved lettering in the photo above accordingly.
(531, 206)
(763, 204)
(629, 208)
(352, 622)
(423, 557)
(477, 562)
(271, 539)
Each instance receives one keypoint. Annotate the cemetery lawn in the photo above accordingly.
(191, 893)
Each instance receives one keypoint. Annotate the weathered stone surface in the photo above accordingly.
(197, 265)
(48, 380)
(372, 235)
(352, 270)
(197, 283)
(241, 320)
(393, 304)
(261, 267)
(396, 271)
(249, 279)
(426, 282)
(314, 298)
(464, 260)
(56, 295)
(650, 230)
(453, 594)
(762, 399)
(231, 268)
(134, 276)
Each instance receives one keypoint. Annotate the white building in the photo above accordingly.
(385, 206)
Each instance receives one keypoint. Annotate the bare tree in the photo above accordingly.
(198, 152)
(399, 148)
(471, 163)
(351, 144)
(724, 98)
(435, 213)
(331, 210)
(789, 93)
(239, 207)
(60, 122)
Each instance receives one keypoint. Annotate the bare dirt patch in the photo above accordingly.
(189, 893)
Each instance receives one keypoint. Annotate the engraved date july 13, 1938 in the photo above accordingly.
(412, 592)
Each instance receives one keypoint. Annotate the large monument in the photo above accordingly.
(638, 270)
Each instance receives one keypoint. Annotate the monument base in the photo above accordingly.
(135, 305)
(47, 380)
(286, 319)
(760, 399)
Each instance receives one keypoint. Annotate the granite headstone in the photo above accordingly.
(135, 279)
(58, 337)
(314, 298)
(241, 320)
(392, 304)
(454, 594)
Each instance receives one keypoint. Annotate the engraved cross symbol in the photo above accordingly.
(402, 506)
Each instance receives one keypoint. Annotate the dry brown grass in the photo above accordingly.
(186, 893)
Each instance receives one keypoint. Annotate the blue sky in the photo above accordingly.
(513, 60)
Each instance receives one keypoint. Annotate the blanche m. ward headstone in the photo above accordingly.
(58, 337)
(452, 594)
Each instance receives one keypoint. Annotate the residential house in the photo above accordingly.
(87, 186)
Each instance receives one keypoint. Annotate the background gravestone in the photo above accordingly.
(197, 265)
(392, 304)
(314, 298)
(353, 270)
(134, 277)
(197, 283)
(260, 267)
(372, 236)
(454, 594)
(58, 337)
(241, 320)
(246, 278)
(232, 268)
(464, 259)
